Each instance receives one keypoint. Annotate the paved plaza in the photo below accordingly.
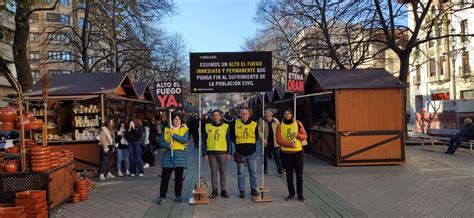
(429, 184)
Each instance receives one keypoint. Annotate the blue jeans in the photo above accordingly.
(251, 161)
(135, 149)
(123, 155)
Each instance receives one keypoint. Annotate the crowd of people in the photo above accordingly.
(224, 137)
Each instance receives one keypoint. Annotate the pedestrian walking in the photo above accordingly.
(122, 150)
(173, 141)
(244, 134)
(134, 137)
(289, 135)
(217, 149)
(267, 134)
(107, 147)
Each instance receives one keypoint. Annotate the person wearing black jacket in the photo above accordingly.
(194, 129)
(244, 133)
(464, 135)
(134, 137)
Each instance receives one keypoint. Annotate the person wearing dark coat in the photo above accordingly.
(465, 134)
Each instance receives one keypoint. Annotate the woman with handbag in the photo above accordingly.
(107, 147)
(290, 135)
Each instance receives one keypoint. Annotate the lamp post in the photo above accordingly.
(453, 53)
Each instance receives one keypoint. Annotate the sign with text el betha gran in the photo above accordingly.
(231, 72)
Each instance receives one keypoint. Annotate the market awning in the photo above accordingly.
(62, 97)
(325, 80)
(119, 97)
(86, 84)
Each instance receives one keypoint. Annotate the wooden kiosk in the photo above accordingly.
(357, 117)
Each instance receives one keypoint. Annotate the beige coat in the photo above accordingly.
(263, 135)
(106, 138)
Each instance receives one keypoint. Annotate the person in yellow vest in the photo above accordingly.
(244, 135)
(217, 149)
(290, 136)
(178, 161)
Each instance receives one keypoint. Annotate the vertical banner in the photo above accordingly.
(220, 72)
(295, 79)
(169, 94)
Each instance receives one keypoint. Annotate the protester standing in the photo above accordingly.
(173, 141)
(244, 135)
(289, 135)
(267, 134)
(217, 149)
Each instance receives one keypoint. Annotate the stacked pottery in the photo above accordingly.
(55, 159)
(8, 117)
(13, 212)
(69, 156)
(82, 189)
(40, 159)
(34, 201)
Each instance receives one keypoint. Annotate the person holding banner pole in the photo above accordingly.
(217, 149)
(244, 135)
(174, 158)
(289, 135)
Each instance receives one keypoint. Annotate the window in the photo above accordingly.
(36, 75)
(64, 19)
(432, 67)
(64, 2)
(59, 56)
(464, 30)
(467, 94)
(59, 71)
(58, 37)
(418, 74)
(34, 55)
(52, 17)
(34, 18)
(34, 37)
(465, 63)
(441, 66)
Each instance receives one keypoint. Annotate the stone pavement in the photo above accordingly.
(429, 184)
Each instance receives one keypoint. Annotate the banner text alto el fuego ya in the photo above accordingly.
(169, 94)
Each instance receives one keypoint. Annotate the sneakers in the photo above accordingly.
(214, 194)
(146, 165)
(132, 175)
(242, 195)
(290, 197)
(110, 176)
(224, 194)
(127, 173)
(178, 199)
(161, 201)
(119, 174)
(141, 174)
(102, 177)
(301, 198)
(254, 192)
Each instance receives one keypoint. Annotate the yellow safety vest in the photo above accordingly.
(216, 137)
(245, 133)
(176, 145)
(287, 131)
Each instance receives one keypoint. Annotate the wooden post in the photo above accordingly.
(263, 189)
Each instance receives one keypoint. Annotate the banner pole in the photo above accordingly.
(263, 140)
(199, 143)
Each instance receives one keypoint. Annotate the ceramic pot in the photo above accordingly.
(8, 126)
(8, 114)
(13, 150)
(26, 123)
(11, 166)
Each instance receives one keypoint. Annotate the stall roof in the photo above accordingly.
(86, 84)
(144, 91)
(353, 79)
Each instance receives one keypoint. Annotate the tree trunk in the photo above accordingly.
(85, 39)
(403, 76)
(20, 42)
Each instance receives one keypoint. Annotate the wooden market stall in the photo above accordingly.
(77, 105)
(356, 116)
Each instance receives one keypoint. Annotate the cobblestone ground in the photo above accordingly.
(429, 184)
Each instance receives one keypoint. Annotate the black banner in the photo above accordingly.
(295, 78)
(231, 72)
(169, 94)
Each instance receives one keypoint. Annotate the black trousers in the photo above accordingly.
(456, 141)
(276, 156)
(165, 178)
(105, 159)
(293, 162)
